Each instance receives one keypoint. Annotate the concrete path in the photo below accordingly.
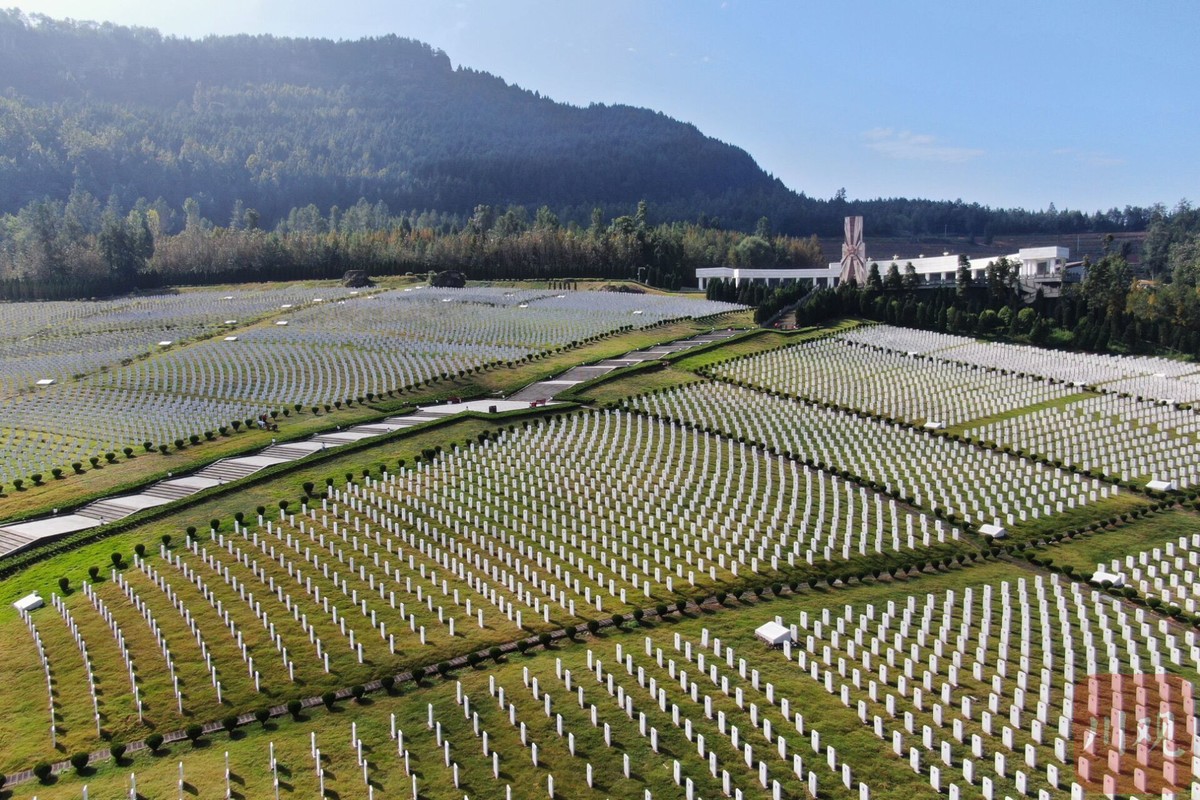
(21, 535)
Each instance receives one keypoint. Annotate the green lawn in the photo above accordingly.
(1130, 538)
(870, 759)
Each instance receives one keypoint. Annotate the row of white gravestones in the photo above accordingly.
(494, 479)
(890, 384)
(1170, 573)
(184, 611)
(176, 560)
(904, 340)
(164, 648)
(67, 618)
(759, 767)
(315, 591)
(27, 618)
(459, 570)
(365, 574)
(489, 538)
(247, 598)
(746, 548)
(1117, 436)
(375, 584)
(936, 471)
(1033, 732)
(740, 453)
(356, 744)
(110, 619)
(1143, 379)
(730, 688)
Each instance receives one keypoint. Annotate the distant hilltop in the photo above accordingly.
(274, 124)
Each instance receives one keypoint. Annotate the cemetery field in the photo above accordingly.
(809, 476)
(249, 606)
(1057, 403)
(140, 467)
(611, 714)
(758, 341)
(1131, 537)
(647, 377)
(681, 368)
(287, 483)
(164, 371)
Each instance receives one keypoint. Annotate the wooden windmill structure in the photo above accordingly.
(854, 253)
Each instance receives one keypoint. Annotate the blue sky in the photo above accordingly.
(1086, 105)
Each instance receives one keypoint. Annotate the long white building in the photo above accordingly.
(1039, 265)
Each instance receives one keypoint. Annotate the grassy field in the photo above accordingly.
(248, 563)
(248, 749)
(517, 513)
(1145, 533)
(870, 759)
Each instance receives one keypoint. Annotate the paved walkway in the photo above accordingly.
(26, 534)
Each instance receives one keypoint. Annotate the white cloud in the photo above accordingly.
(916, 147)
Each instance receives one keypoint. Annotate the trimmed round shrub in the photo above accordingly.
(117, 751)
(294, 708)
(154, 741)
(42, 771)
(80, 761)
(194, 732)
(229, 723)
(329, 698)
(357, 691)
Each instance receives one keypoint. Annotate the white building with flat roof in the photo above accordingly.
(1037, 264)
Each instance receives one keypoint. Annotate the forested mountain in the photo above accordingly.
(278, 123)
(272, 124)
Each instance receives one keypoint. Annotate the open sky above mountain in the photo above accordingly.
(1019, 104)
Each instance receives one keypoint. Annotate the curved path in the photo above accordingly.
(19, 536)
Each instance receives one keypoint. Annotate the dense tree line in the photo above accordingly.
(1109, 311)
(51, 250)
(274, 124)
